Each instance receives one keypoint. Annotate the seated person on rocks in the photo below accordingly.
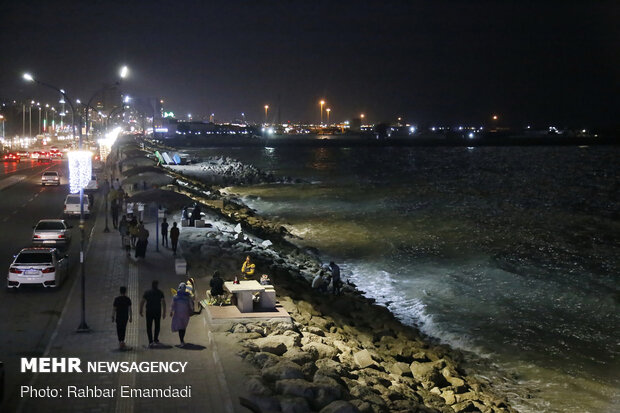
(320, 282)
(217, 288)
(248, 268)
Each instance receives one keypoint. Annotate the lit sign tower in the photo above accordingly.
(80, 170)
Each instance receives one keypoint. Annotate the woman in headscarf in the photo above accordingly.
(180, 312)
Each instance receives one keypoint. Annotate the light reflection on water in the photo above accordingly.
(508, 252)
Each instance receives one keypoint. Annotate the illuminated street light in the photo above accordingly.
(495, 117)
(328, 110)
(124, 72)
(322, 102)
(83, 327)
(266, 110)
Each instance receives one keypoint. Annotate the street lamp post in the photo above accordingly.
(266, 109)
(328, 110)
(321, 103)
(30, 118)
(83, 327)
(45, 122)
(123, 74)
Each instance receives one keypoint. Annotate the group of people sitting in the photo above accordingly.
(217, 292)
(326, 276)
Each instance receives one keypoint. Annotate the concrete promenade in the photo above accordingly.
(107, 268)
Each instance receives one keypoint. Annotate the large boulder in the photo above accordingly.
(340, 406)
(429, 374)
(290, 404)
(321, 350)
(400, 369)
(277, 344)
(305, 307)
(262, 359)
(296, 387)
(367, 394)
(255, 386)
(284, 369)
(329, 368)
(327, 390)
(298, 356)
(364, 359)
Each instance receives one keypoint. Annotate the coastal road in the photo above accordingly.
(29, 315)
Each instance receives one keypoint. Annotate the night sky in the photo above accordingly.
(431, 62)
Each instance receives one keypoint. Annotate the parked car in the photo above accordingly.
(55, 152)
(72, 205)
(10, 157)
(23, 154)
(50, 178)
(51, 232)
(44, 156)
(45, 266)
(93, 184)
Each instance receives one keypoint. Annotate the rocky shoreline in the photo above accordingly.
(339, 354)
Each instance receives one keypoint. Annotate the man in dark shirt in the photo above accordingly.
(335, 277)
(155, 310)
(121, 314)
(174, 237)
(164, 233)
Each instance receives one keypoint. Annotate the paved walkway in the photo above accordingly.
(107, 268)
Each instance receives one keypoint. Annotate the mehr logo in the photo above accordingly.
(51, 365)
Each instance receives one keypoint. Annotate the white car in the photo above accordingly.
(50, 178)
(72, 205)
(52, 232)
(93, 184)
(45, 266)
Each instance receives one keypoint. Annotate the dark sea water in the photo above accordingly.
(509, 253)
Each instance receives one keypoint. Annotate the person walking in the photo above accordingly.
(155, 310)
(133, 231)
(174, 237)
(336, 284)
(114, 207)
(142, 242)
(164, 233)
(123, 230)
(180, 311)
(121, 314)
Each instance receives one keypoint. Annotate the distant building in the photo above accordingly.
(355, 125)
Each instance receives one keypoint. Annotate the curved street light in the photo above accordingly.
(83, 327)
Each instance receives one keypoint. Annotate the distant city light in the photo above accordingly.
(124, 72)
